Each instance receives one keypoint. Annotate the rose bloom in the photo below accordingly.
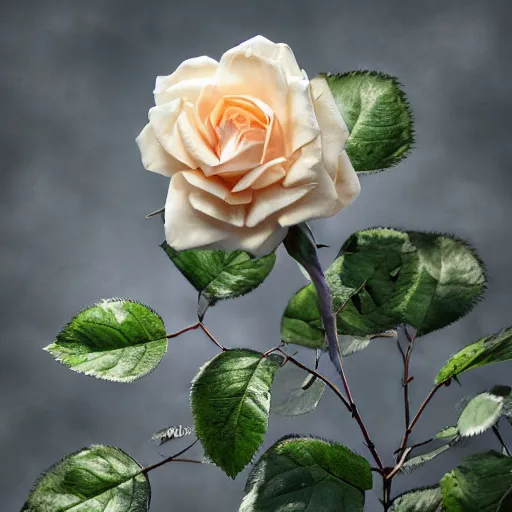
(252, 147)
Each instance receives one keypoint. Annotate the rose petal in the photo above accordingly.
(333, 129)
(188, 90)
(302, 125)
(273, 199)
(163, 119)
(217, 187)
(154, 157)
(326, 199)
(192, 69)
(347, 182)
(218, 209)
(251, 75)
(277, 52)
(306, 165)
(269, 177)
(194, 141)
(249, 178)
(188, 228)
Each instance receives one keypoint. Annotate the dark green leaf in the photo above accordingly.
(480, 414)
(450, 280)
(488, 350)
(230, 399)
(295, 391)
(378, 117)
(428, 499)
(95, 479)
(482, 483)
(220, 275)
(383, 277)
(116, 339)
(299, 474)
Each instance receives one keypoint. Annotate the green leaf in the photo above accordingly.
(300, 474)
(116, 339)
(482, 483)
(446, 432)
(428, 499)
(230, 399)
(450, 280)
(98, 478)
(295, 391)
(487, 350)
(480, 414)
(414, 462)
(378, 117)
(383, 277)
(220, 275)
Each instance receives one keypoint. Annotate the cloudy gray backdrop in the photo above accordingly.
(76, 83)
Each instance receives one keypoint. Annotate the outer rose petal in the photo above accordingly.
(163, 119)
(188, 228)
(154, 157)
(302, 125)
(347, 183)
(333, 129)
(277, 52)
(327, 198)
(192, 69)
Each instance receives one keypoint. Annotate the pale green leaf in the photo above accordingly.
(487, 350)
(480, 414)
(428, 499)
(300, 474)
(378, 117)
(446, 432)
(116, 339)
(230, 400)
(220, 275)
(95, 479)
(482, 483)
(419, 460)
(295, 391)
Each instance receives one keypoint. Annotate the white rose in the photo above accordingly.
(252, 146)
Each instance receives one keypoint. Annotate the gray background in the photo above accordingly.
(76, 83)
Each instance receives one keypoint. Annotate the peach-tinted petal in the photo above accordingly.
(186, 227)
(270, 200)
(194, 141)
(302, 126)
(347, 182)
(216, 187)
(163, 119)
(333, 129)
(154, 157)
(277, 52)
(325, 200)
(306, 165)
(247, 75)
(188, 90)
(275, 144)
(269, 177)
(217, 208)
(192, 69)
(249, 178)
(247, 157)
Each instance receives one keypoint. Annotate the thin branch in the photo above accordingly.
(146, 470)
(400, 464)
(417, 445)
(423, 406)
(318, 376)
(210, 335)
(189, 328)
